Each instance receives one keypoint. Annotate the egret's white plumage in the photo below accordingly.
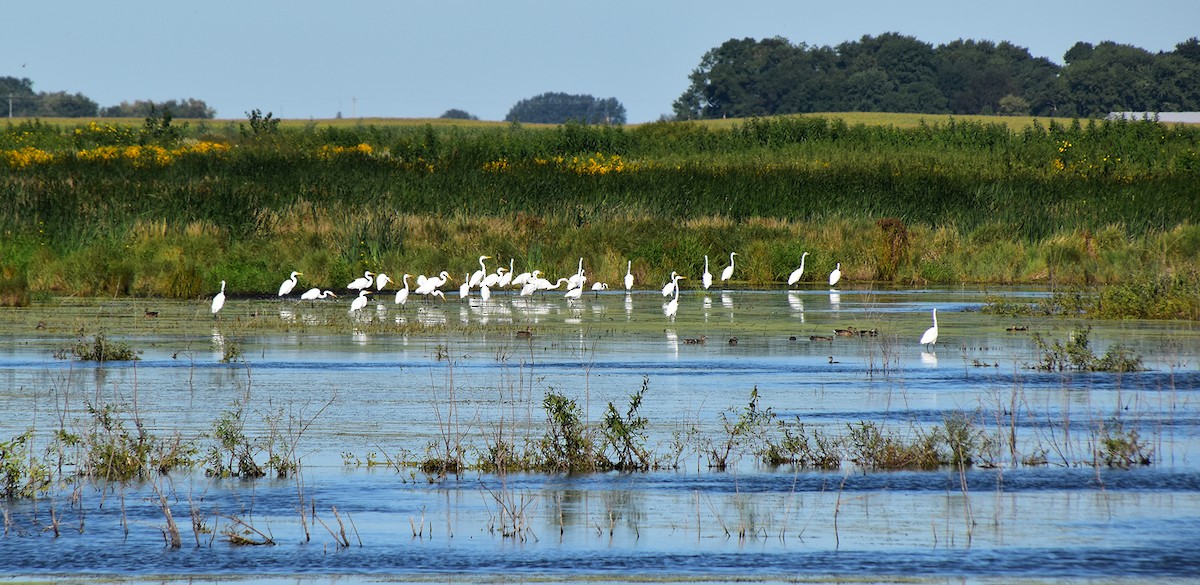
(671, 285)
(464, 289)
(475, 278)
(219, 300)
(313, 294)
(629, 276)
(931, 334)
(381, 281)
(289, 284)
(506, 278)
(432, 283)
(706, 278)
(797, 273)
(402, 294)
(576, 280)
(672, 306)
(836, 275)
(361, 282)
(728, 272)
(360, 301)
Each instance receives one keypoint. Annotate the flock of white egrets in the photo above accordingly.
(528, 283)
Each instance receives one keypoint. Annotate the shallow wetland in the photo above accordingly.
(360, 401)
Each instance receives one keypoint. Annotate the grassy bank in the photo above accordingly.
(166, 209)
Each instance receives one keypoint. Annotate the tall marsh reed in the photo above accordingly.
(108, 210)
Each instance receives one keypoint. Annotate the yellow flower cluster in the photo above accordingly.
(328, 152)
(106, 133)
(18, 159)
(596, 165)
(140, 156)
(149, 155)
(496, 166)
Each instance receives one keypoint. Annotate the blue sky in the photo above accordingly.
(312, 59)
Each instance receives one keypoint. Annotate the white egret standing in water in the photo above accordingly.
(360, 301)
(219, 300)
(381, 281)
(931, 334)
(287, 285)
(672, 306)
(477, 277)
(797, 273)
(629, 276)
(402, 294)
(361, 282)
(836, 275)
(313, 294)
(728, 272)
(671, 285)
(706, 278)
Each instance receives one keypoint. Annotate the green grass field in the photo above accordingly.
(135, 208)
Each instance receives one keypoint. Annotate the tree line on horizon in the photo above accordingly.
(887, 73)
(897, 73)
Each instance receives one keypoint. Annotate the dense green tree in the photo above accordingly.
(18, 93)
(63, 105)
(457, 114)
(559, 108)
(898, 73)
(188, 108)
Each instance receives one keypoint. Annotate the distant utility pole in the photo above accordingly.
(10, 106)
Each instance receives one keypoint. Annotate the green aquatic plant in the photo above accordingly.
(1075, 354)
(21, 474)
(748, 431)
(872, 447)
(625, 436)
(796, 444)
(565, 446)
(1123, 448)
(97, 348)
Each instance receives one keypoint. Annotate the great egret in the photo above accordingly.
(362, 282)
(706, 278)
(474, 279)
(402, 294)
(672, 306)
(360, 301)
(381, 281)
(313, 294)
(629, 276)
(836, 275)
(219, 300)
(576, 280)
(493, 279)
(287, 285)
(931, 334)
(797, 273)
(464, 289)
(530, 282)
(522, 279)
(574, 293)
(728, 272)
(599, 286)
(670, 287)
(432, 283)
(485, 291)
(506, 278)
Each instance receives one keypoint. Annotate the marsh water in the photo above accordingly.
(357, 393)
